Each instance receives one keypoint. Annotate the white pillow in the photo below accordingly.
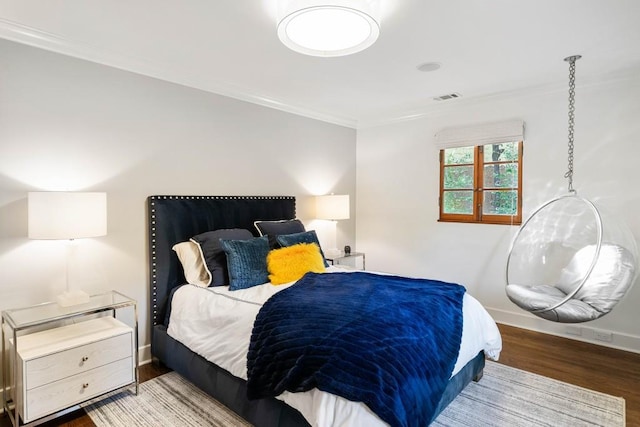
(192, 263)
(609, 280)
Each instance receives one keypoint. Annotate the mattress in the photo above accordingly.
(216, 323)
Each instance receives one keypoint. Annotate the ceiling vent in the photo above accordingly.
(448, 96)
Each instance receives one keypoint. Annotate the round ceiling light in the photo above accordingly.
(328, 30)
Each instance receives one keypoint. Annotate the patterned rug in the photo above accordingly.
(167, 400)
(511, 397)
(504, 397)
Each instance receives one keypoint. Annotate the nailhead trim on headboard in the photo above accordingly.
(152, 236)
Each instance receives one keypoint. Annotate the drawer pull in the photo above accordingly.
(85, 385)
(85, 358)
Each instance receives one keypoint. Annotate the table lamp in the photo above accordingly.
(59, 215)
(332, 208)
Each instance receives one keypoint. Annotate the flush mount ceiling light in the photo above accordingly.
(329, 28)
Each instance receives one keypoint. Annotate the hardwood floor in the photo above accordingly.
(591, 366)
(607, 370)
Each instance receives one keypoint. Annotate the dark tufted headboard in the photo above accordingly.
(174, 219)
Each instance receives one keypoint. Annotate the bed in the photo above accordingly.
(175, 219)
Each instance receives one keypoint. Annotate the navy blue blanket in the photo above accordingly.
(390, 342)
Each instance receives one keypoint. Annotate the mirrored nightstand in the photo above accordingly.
(349, 261)
(59, 357)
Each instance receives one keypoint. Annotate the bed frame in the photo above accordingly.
(174, 219)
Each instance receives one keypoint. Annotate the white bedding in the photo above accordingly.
(216, 323)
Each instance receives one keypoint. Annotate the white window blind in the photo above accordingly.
(486, 133)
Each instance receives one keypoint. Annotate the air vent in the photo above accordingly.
(447, 96)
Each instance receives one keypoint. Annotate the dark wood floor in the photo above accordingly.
(603, 369)
(607, 370)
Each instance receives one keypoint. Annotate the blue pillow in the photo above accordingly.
(310, 236)
(213, 255)
(246, 262)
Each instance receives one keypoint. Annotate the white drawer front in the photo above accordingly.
(70, 391)
(52, 367)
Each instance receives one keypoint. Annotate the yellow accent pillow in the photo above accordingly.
(291, 263)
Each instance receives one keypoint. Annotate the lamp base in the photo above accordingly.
(70, 298)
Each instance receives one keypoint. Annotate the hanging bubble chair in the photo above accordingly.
(570, 261)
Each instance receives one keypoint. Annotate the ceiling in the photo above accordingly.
(486, 48)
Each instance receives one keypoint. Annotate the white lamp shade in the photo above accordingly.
(67, 215)
(332, 207)
(334, 28)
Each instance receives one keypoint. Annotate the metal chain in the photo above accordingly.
(572, 95)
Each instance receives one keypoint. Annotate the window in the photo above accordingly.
(482, 184)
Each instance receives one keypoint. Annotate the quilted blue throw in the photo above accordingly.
(390, 342)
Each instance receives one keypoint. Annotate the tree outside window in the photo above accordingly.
(482, 184)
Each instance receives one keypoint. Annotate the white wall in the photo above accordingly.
(67, 124)
(398, 181)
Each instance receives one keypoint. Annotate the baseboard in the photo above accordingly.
(144, 354)
(620, 341)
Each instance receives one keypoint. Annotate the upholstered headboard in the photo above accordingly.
(174, 219)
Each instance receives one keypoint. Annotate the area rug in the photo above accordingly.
(507, 396)
(504, 397)
(167, 400)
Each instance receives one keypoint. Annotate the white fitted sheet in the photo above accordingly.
(216, 323)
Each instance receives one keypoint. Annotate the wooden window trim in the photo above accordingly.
(478, 192)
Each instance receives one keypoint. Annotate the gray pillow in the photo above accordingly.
(213, 255)
(271, 229)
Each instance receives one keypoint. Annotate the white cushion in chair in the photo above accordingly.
(609, 280)
(532, 298)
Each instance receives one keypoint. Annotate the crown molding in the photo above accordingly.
(23, 34)
(30, 36)
(445, 107)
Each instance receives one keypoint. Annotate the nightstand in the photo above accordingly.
(59, 357)
(348, 260)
